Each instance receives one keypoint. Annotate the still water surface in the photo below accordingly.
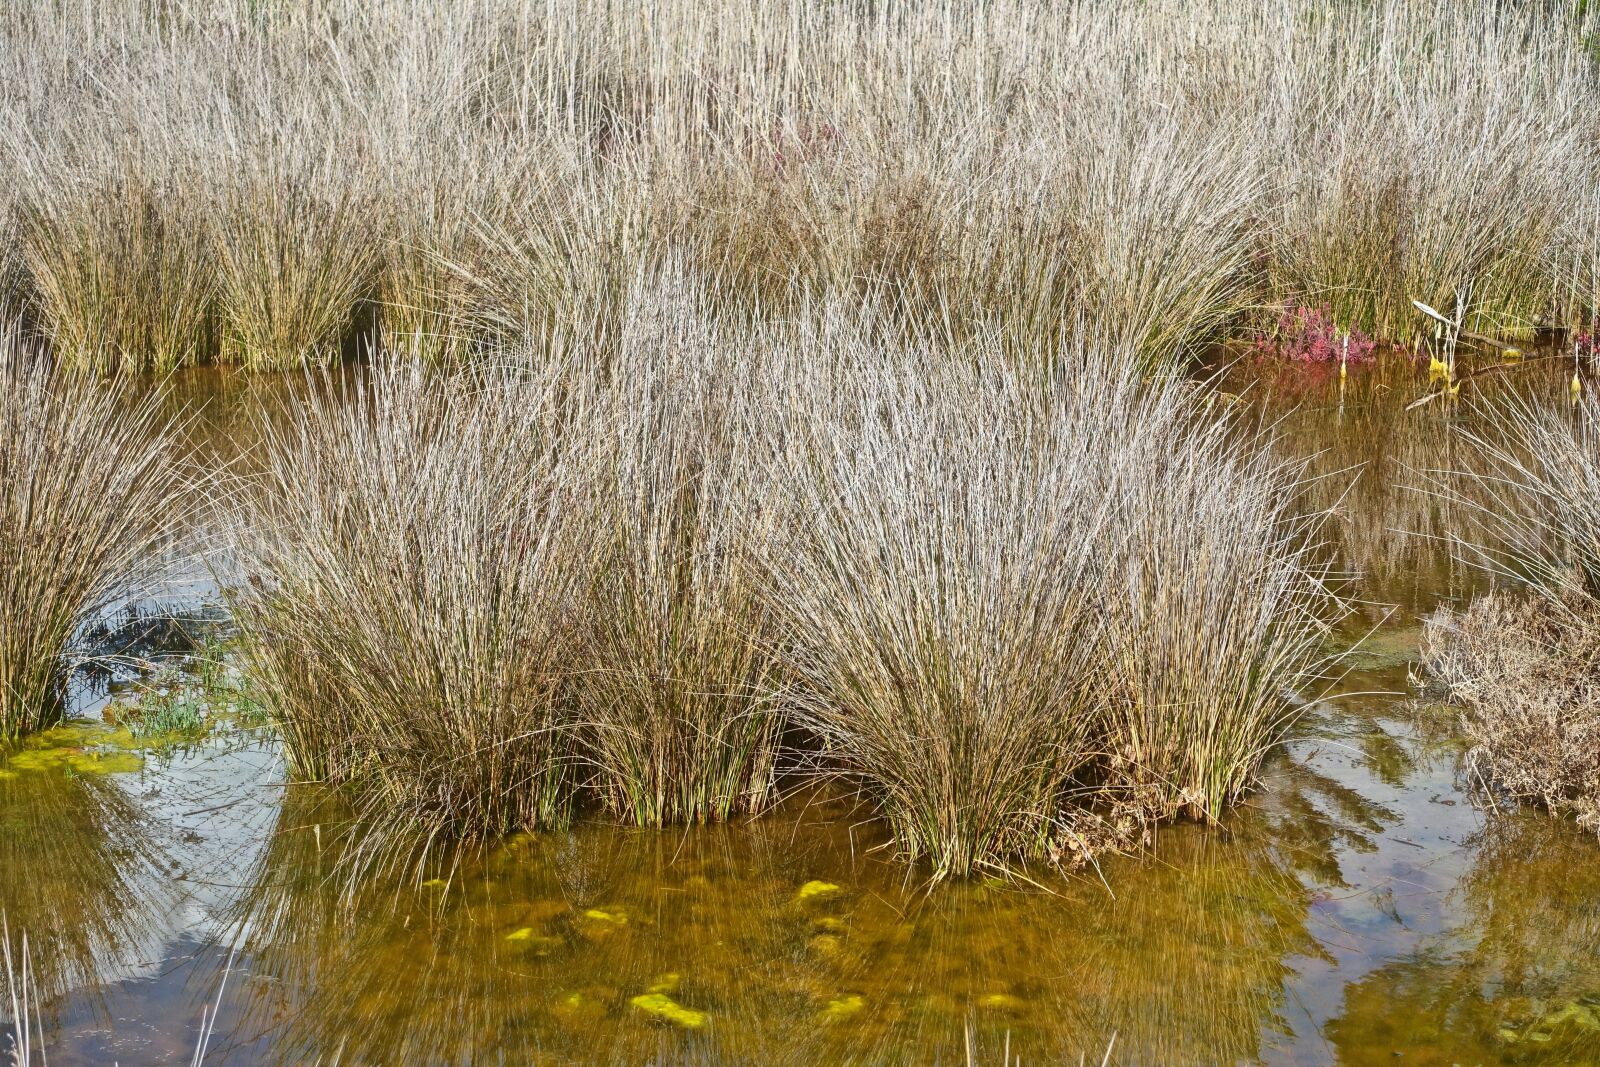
(1364, 907)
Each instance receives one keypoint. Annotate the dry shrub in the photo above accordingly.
(1524, 664)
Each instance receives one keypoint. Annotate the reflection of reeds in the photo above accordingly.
(77, 870)
(87, 492)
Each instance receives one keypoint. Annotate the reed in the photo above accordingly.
(680, 691)
(294, 258)
(1147, 176)
(1219, 605)
(119, 271)
(417, 555)
(1015, 608)
(88, 493)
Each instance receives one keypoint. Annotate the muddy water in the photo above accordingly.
(1364, 907)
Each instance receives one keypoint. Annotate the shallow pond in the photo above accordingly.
(1363, 907)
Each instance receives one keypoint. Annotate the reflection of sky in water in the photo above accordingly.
(1358, 906)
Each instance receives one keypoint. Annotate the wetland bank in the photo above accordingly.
(860, 533)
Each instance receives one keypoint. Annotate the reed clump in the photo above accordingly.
(1026, 613)
(1032, 617)
(1161, 177)
(418, 560)
(294, 259)
(119, 273)
(680, 691)
(88, 492)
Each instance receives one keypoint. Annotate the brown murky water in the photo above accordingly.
(1362, 908)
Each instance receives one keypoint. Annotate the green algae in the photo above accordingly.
(663, 1007)
(533, 942)
(843, 1007)
(814, 890)
(75, 748)
(1001, 1002)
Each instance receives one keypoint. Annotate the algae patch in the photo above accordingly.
(74, 748)
(814, 890)
(663, 1007)
(843, 1007)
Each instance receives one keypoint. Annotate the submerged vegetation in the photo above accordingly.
(270, 184)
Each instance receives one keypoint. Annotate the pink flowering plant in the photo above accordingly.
(1309, 335)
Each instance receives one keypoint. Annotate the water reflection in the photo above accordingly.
(1518, 982)
(77, 861)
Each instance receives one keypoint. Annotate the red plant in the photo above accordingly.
(1309, 335)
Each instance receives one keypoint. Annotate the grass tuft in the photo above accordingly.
(88, 492)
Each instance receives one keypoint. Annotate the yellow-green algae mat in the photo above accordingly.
(75, 747)
(659, 1003)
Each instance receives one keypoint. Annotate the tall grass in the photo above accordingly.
(939, 577)
(121, 277)
(1535, 493)
(1026, 613)
(418, 559)
(1019, 609)
(1151, 175)
(88, 491)
(680, 689)
(294, 259)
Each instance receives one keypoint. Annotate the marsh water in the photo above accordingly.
(1365, 906)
